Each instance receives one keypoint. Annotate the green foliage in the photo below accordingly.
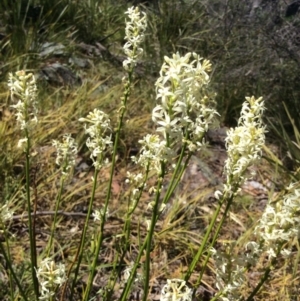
(27, 25)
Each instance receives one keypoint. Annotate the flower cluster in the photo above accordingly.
(23, 91)
(134, 179)
(278, 225)
(134, 34)
(66, 152)
(244, 143)
(230, 274)
(185, 110)
(50, 276)
(153, 153)
(137, 185)
(280, 222)
(176, 290)
(99, 131)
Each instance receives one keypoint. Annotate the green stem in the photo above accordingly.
(53, 226)
(176, 178)
(8, 259)
(179, 170)
(146, 244)
(113, 278)
(265, 275)
(154, 218)
(127, 223)
(30, 222)
(113, 164)
(93, 268)
(214, 239)
(203, 244)
(9, 265)
(126, 229)
(209, 231)
(260, 284)
(78, 256)
(130, 280)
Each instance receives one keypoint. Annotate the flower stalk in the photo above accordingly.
(66, 151)
(134, 35)
(244, 146)
(97, 126)
(23, 91)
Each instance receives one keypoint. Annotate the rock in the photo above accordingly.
(52, 48)
(58, 74)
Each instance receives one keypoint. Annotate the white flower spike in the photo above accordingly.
(135, 35)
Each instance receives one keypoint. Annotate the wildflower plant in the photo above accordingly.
(97, 126)
(230, 274)
(5, 217)
(244, 148)
(244, 144)
(23, 92)
(66, 152)
(185, 109)
(280, 222)
(134, 35)
(276, 230)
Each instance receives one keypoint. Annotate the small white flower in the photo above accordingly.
(21, 142)
(148, 224)
(244, 143)
(153, 153)
(98, 215)
(98, 128)
(162, 207)
(135, 35)
(218, 194)
(134, 179)
(152, 190)
(150, 206)
(176, 290)
(185, 110)
(66, 152)
(280, 222)
(286, 253)
(50, 275)
(23, 91)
